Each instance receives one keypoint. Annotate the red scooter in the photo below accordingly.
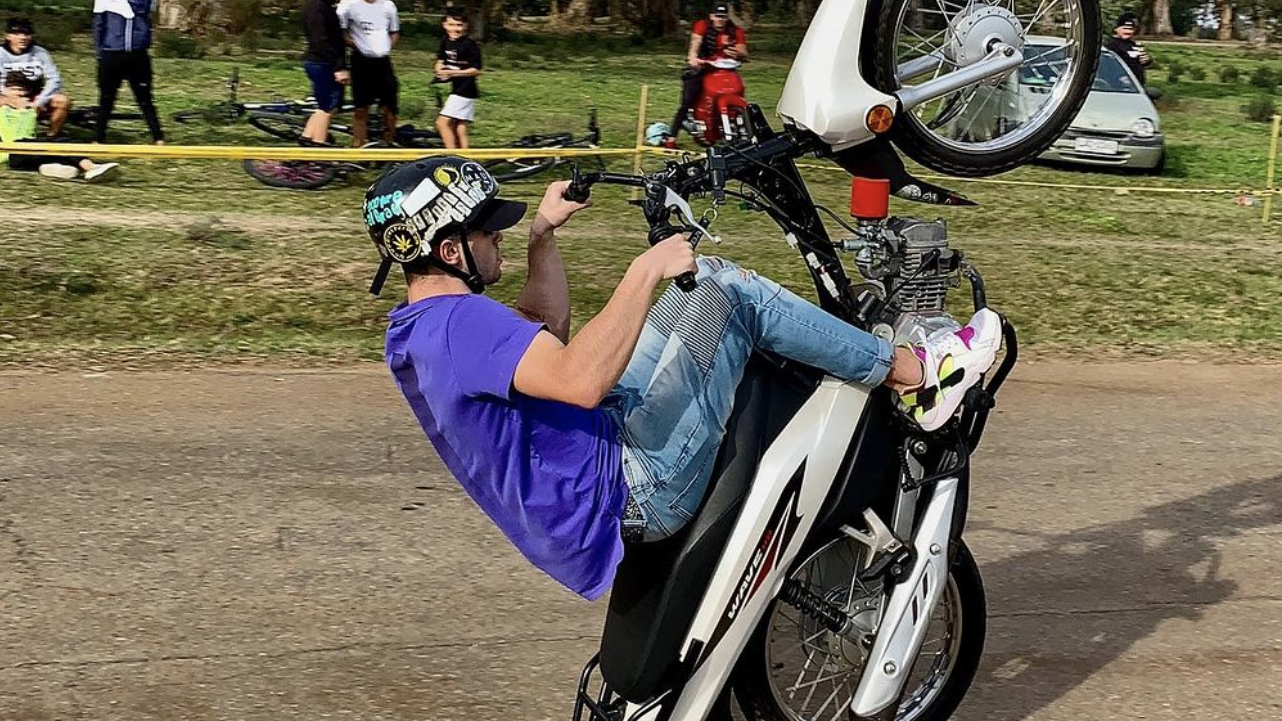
(721, 112)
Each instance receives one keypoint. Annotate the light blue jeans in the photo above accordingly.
(673, 401)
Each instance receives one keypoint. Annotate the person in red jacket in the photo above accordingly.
(711, 39)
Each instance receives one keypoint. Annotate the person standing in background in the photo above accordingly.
(1123, 43)
(122, 36)
(373, 28)
(458, 61)
(325, 64)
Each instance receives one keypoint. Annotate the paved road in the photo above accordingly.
(270, 546)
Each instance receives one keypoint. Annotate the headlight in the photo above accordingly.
(1143, 128)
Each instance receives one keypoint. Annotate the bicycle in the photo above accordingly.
(316, 174)
(86, 118)
(289, 126)
(231, 109)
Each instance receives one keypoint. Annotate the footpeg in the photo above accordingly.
(979, 399)
(890, 567)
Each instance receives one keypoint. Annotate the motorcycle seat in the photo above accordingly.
(659, 585)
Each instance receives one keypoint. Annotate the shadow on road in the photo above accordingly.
(1098, 591)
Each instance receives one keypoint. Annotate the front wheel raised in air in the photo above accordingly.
(795, 669)
(998, 124)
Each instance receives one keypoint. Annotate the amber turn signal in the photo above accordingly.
(880, 118)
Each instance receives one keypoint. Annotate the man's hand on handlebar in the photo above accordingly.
(555, 210)
(671, 257)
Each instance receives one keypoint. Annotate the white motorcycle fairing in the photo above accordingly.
(826, 93)
(787, 492)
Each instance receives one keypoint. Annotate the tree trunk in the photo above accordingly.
(574, 14)
(747, 13)
(1162, 17)
(617, 11)
(190, 16)
(806, 11)
(653, 18)
(1225, 8)
(482, 17)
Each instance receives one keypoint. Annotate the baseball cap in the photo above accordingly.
(720, 9)
(1128, 19)
(21, 26)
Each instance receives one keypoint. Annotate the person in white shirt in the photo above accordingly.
(372, 28)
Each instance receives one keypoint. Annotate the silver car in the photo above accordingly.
(1117, 127)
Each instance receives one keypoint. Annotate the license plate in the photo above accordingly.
(1097, 147)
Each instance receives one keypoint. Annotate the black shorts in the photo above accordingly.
(374, 83)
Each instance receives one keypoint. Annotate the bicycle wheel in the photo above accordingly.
(510, 169)
(997, 124)
(279, 125)
(221, 114)
(408, 136)
(293, 174)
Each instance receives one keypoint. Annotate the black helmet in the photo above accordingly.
(414, 206)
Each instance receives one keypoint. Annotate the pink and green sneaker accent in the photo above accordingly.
(952, 361)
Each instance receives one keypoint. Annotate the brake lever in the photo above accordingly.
(672, 200)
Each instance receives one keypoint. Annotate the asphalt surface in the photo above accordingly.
(269, 546)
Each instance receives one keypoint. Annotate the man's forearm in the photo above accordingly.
(602, 349)
(546, 295)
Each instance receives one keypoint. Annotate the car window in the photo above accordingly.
(1043, 65)
(1046, 63)
(1112, 76)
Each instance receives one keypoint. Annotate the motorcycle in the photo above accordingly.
(720, 113)
(825, 575)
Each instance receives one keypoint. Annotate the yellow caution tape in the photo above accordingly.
(213, 152)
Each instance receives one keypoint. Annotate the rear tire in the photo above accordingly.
(754, 686)
(925, 146)
(517, 168)
(292, 174)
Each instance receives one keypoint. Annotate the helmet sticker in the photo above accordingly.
(474, 174)
(426, 192)
(445, 176)
(383, 208)
(459, 193)
(402, 245)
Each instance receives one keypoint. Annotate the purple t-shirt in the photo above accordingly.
(549, 474)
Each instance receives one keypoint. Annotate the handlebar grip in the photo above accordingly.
(577, 191)
(686, 281)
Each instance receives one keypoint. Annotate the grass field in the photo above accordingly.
(195, 262)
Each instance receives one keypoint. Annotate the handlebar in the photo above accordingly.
(657, 208)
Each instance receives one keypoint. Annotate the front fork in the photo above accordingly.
(907, 611)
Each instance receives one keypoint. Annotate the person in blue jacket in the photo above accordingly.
(122, 36)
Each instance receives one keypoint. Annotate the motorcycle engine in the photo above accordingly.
(909, 265)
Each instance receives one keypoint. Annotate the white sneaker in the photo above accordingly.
(102, 172)
(59, 171)
(953, 362)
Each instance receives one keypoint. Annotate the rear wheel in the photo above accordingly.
(998, 124)
(294, 174)
(511, 169)
(794, 669)
(221, 114)
(280, 125)
(408, 136)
